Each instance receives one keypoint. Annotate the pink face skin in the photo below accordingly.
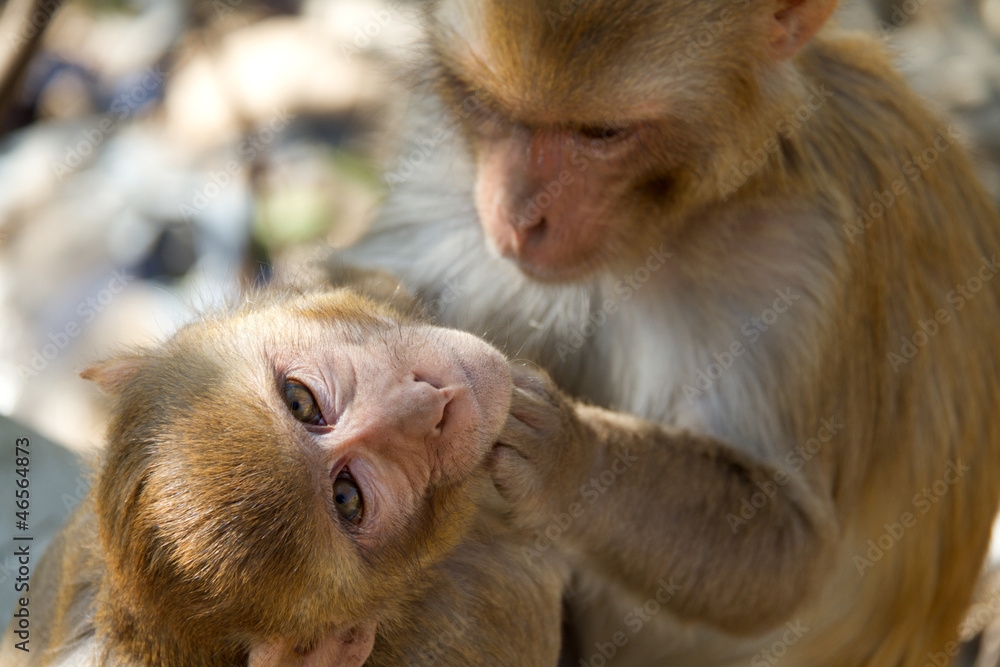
(546, 196)
(399, 414)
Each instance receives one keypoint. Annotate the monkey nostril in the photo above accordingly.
(417, 377)
(445, 413)
(535, 234)
(429, 401)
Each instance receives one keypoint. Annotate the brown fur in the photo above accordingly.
(208, 534)
(531, 82)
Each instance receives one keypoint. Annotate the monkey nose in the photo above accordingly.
(423, 408)
(530, 235)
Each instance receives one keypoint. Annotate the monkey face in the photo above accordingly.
(267, 468)
(589, 125)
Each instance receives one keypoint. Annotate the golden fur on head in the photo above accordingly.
(209, 519)
(212, 535)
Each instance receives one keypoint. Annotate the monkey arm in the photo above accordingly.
(680, 511)
(645, 504)
(473, 594)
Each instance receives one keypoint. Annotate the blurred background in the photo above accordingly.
(160, 155)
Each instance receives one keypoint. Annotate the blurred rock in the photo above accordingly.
(389, 30)
(79, 236)
(946, 51)
(138, 37)
(260, 72)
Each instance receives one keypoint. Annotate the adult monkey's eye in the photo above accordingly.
(605, 132)
(347, 498)
(301, 403)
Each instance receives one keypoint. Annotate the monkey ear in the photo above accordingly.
(795, 22)
(111, 374)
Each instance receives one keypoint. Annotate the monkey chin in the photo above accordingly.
(550, 252)
(552, 274)
(543, 269)
(485, 372)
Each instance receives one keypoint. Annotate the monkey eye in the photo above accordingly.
(604, 132)
(347, 497)
(301, 403)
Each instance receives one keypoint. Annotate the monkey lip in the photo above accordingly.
(537, 262)
(549, 272)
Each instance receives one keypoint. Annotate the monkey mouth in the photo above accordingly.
(552, 273)
(545, 263)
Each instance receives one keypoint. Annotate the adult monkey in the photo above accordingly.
(696, 213)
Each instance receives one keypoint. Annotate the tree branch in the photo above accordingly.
(21, 27)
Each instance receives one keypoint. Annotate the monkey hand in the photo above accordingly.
(541, 454)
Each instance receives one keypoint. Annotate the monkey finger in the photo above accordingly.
(533, 381)
(524, 430)
(342, 648)
(513, 475)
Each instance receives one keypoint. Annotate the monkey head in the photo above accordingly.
(594, 127)
(268, 468)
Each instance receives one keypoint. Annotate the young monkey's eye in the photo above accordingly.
(301, 403)
(347, 498)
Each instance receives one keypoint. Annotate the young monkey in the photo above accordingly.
(304, 480)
